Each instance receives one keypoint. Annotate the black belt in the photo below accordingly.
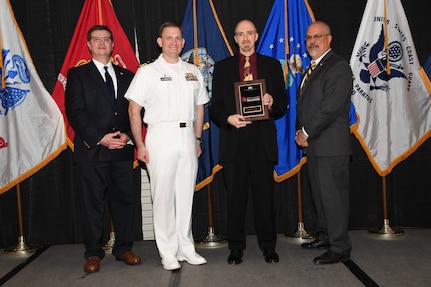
(172, 125)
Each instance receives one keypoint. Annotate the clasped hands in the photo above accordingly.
(116, 140)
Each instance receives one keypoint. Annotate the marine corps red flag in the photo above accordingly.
(94, 12)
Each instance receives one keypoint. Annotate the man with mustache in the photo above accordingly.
(248, 149)
(323, 131)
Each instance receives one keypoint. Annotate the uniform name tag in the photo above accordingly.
(165, 79)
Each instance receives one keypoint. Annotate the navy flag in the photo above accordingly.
(205, 44)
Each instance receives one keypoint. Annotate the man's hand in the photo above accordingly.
(301, 139)
(115, 140)
(142, 154)
(238, 121)
(268, 100)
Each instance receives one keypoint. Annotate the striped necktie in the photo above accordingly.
(309, 71)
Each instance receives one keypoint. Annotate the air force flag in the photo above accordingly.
(290, 50)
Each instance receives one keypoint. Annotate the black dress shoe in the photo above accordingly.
(235, 257)
(270, 256)
(316, 244)
(330, 257)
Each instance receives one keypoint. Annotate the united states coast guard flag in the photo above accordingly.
(205, 44)
(32, 130)
(291, 51)
(389, 94)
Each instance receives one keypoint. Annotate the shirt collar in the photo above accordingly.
(321, 57)
(252, 58)
(100, 66)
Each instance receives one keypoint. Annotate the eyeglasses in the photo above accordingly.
(315, 37)
(101, 39)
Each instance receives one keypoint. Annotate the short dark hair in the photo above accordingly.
(97, 28)
(169, 24)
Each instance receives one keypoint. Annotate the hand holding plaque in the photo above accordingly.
(249, 99)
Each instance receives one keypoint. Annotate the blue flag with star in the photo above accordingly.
(289, 48)
(291, 51)
(205, 44)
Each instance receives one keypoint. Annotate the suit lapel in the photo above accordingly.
(316, 70)
(120, 83)
(95, 74)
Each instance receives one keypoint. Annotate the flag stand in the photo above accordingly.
(386, 232)
(211, 240)
(300, 233)
(21, 249)
(111, 242)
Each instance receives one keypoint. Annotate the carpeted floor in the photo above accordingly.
(375, 261)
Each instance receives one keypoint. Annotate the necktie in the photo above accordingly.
(109, 83)
(248, 76)
(309, 70)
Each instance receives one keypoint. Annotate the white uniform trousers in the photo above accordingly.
(172, 169)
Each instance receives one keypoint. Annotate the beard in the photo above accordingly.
(246, 46)
(313, 50)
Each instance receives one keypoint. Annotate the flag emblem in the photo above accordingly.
(16, 78)
(373, 61)
(206, 64)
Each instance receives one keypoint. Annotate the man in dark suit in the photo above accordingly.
(248, 149)
(324, 133)
(97, 110)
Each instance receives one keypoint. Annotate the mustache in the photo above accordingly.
(312, 45)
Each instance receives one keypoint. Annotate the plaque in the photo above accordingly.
(249, 100)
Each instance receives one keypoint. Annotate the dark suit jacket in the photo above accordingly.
(92, 113)
(226, 72)
(323, 107)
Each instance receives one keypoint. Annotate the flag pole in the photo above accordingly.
(21, 249)
(211, 240)
(300, 233)
(386, 232)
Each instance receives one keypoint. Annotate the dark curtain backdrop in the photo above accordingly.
(50, 208)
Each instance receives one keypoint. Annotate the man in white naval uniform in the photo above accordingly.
(172, 93)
